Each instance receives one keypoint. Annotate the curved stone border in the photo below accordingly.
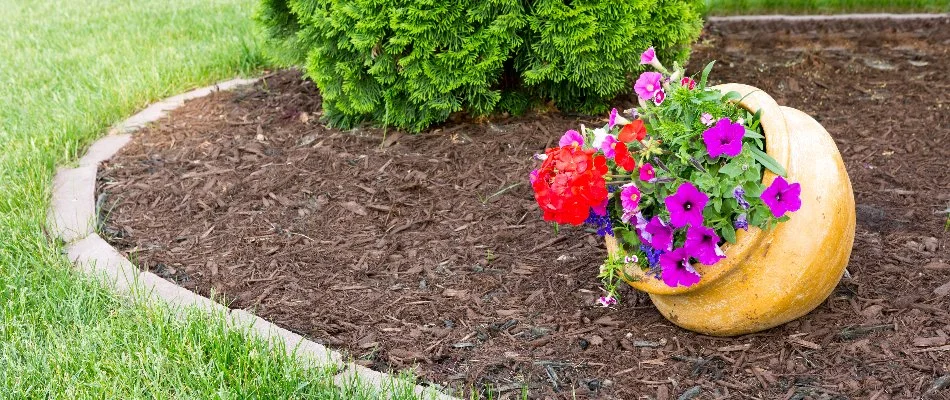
(72, 219)
(830, 17)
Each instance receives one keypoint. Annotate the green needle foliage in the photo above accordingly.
(411, 63)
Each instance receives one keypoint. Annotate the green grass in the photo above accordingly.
(740, 7)
(68, 70)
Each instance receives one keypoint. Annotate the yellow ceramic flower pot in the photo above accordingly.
(771, 277)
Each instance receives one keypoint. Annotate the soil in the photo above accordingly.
(428, 251)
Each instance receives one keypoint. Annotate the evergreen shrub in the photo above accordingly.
(411, 63)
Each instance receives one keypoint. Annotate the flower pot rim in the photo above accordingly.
(777, 146)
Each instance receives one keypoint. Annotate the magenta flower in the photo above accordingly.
(782, 197)
(688, 83)
(630, 198)
(647, 173)
(659, 97)
(571, 138)
(648, 56)
(606, 301)
(724, 138)
(648, 84)
(660, 234)
(676, 269)
(613, 118)
(600, 209)
(706, 119)
(702, 243)
(533, 177)
(686, 206)
(607, 146)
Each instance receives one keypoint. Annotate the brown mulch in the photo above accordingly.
(429, 250)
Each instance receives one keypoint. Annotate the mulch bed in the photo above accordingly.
(428, 251)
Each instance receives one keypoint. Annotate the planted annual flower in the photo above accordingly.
(672, 181)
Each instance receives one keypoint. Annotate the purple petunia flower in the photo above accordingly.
(653, 255)
(676, 269)
(724, 138)
(659, 97)
(741, 222)
(607, 146)
(782, 197)
(661, 234)
(613, 118)
(702, 243)
(706, 119)
(571, 138)
(647, 173)
(686, 206)
(640, 226)
(630, 197)
(533, 177)
(739, 194)
(648, 84)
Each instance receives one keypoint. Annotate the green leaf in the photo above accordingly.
(702, 81)
(732, 95)
(732, 169)
(768, 161)
(753, 134)
(729, 233)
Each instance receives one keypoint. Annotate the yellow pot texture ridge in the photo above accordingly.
(771, 277)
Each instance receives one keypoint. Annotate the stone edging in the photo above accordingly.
(830, 17)
(72, 218)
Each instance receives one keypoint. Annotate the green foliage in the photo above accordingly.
(405, 63)
(583, 53)
(411, 63)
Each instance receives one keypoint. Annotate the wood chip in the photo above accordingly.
(804, 343)
(942, 290)
(929, 349)
(736, 347)
(930, 341)
(354, 208)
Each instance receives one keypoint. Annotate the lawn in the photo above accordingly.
(738, 7)
(69, 70)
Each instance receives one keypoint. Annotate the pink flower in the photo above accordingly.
(533, 177)
(702, 243)
(686, 206)
(706, 119)
(688, 82)
(607, 146)
(613, 118)
(676, 269)
(659, 97)
(647, 56)
(647, 173)
(724, 138)
(571, 138)
(630, 198)
(782, 197)
(648, 84)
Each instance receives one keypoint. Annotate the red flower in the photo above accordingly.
(569, 183)
(688, 82)
(633, 131)
(623, 158)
